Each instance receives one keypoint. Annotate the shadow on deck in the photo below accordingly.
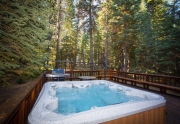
(172, 106)
(22, 102)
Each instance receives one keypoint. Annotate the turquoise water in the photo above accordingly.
(74, 100)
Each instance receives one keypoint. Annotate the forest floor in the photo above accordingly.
(8, 91)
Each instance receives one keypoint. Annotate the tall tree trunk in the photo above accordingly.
(124, 58)
(84, 47)
(0, 21)
(58, 34)
(77, 32)
(106, 49)
(124, 49)
(90, 32)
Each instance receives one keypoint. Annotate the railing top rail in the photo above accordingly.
(155, 75)
(15, 101)
(21, 95)
(145, 74)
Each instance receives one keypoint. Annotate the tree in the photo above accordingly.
(169, 47)
(144, 49)
(88, 9)
(124, 28)
(23, 42)
(59, 23)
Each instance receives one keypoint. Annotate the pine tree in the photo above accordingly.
(23, 42)
(169, 47)
(88, 10)
(124, 28)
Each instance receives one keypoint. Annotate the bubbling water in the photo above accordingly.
(75, 100)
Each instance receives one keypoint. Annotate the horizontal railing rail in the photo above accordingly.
(162, 79)
(161, 82)
(100, 74)
(16, 109)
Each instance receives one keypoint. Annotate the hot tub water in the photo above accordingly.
(74, 100)
(48, 104)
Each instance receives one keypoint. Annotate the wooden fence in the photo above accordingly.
(101, 74)
(16, 109)
(162, 79)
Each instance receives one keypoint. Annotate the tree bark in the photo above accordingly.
(124, 49)
(106, 51)
(58, 35)
(90, 32)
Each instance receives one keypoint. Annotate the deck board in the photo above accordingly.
(172, 106)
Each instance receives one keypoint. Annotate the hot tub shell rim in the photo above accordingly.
(96, 116)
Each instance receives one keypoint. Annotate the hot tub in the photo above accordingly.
(147, 111)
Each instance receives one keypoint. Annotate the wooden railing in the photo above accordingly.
(76, 74)
(101, 74)
(16, 109)
(162, 79)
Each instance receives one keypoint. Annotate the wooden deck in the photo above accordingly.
(172, 106)
(21, 104)
(172, 109)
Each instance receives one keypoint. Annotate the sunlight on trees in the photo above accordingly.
(139, 36)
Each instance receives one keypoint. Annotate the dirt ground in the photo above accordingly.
(7, 92)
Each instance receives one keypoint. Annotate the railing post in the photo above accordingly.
(126, 74)
(134, 76)
(163, 80)
(80, 73)
(147, 78)
(44, 77)
(91, 73)
(123, 74)
(110, 72)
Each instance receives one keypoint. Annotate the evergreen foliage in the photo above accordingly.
(143, 35)
(23, 37)
(124, 31)
(87, 9)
